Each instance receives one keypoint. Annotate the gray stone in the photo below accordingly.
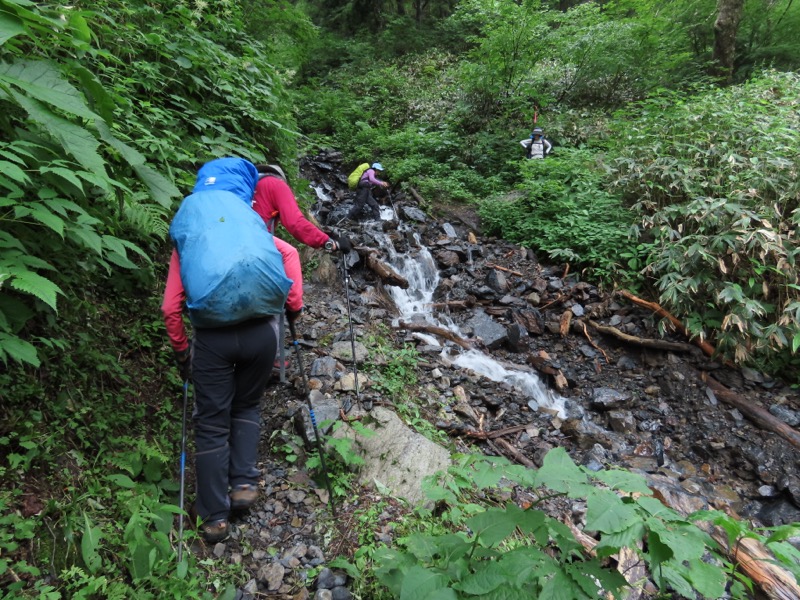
(271, 575)
(577, 310)
(323, 367)
(497, 281)
(326, 579)
(487, 329)
(787, 415)
(341, 593)
(621, 421)
(449, 230)
(516, 336)
(609, 399)
(323, 595)
(447, 258)
(778, 513)
(396, 456)
(414, 214)
(343, 351)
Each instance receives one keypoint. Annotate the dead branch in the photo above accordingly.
(566, 319)
(416, 195)
(645, 342)
(499, 268)
(761, 417)
(595, 346)
(438, 331)
(661, 312)
(512, 452)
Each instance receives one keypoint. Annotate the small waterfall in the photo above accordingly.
(416, 303)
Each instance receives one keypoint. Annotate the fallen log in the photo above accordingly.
(512, 452)
(644, 342)
(437, 331)
(755, 559)
(416, 195)
(386, 273)
(761, 417)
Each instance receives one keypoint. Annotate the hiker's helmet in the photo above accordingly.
(377, 166)
(271, 170)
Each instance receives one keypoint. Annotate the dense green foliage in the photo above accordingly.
(658, 180)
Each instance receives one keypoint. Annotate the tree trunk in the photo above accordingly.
(729, 14)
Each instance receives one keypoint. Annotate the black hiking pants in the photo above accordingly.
(364, 196)
(230, 368)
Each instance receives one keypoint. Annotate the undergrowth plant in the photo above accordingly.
(713, 178)
(477, 545)
(562, 210)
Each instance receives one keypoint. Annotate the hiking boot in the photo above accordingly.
(214, 531)
(243, 496)
(211, 531)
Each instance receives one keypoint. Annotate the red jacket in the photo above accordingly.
(274, 201)
(174, 295)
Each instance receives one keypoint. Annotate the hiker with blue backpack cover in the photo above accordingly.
(537, 146)
(236, 281)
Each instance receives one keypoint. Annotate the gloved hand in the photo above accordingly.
(342, 243)
(293, 315)
(183, 358)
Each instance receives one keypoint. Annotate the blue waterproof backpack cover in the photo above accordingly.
(230, 268)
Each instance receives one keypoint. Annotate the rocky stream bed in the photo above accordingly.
(618, 401)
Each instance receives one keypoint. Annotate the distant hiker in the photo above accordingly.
(364, 193)
(275, 202)
(236, 281)
(537, 146)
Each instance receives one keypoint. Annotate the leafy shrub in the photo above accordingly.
(714, 178)
(563, 211)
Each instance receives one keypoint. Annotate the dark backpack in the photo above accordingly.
(230, 268)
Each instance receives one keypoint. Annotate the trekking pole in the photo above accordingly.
(301, 366)
(350, 320)
(183, 468)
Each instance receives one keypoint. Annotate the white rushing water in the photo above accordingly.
(416, 302)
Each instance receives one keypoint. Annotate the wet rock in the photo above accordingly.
(517, 335)
(497, 281)
(778, 513)
(488, 330)
(609, 399)
(621, 421)
(787, 415)
(413, 214)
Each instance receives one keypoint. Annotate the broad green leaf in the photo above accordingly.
(561, 474)
(669, 575)
(161, 188)
(90, 541)
(485, 578)
(442, 594)
(144, 555)
(121, 480)
(561, 587)
(13, 171)
(587, 574)
(43, 80)
(86, 236)
(451, 547)
(657, 509)
(626, 481)
(17, 349)
(10, 26)
(506, 593)
(522, 565)
(492, 527)
(422, 546)
(46, 217)
(64, 174)
(419, 583)
(76, 140)
(607, 513)
(709, 580)
(610, 543)
(528, 521)
(686, 542)
(102, 103)
(36, 285)
(487, 475)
